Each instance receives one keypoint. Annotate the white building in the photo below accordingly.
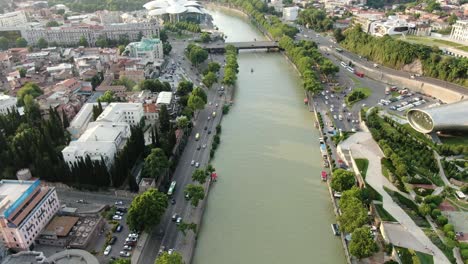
(26, 208)
(290, 13)
(13, 19)
(130, 113)
(392, 26)
(59, 68)
(149, 49)
(7, 103)
(102, 140)
(460, 30)
(80, 122)
(70, 35)
(164, 98)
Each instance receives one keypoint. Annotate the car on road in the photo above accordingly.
(131, 239)
(133, 235)
(173, 201)
(334, 117)
(81, 201)
(125, 254)
(205, 128)
(179, 220)
(117, 217)
(209, 118)
(197, 165)
(119, 203)
(192, 163)
(119, 213)
(127, 248)
(204, 145)
(187, 196)
(107, 250)
(209, 132)
(170, 251)
(199, 147)
(161, 250)
(217, 105)
(122, 209)
(119, 228)
(112, 240)
(174, 217)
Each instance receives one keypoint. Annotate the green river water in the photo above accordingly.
(269, 204)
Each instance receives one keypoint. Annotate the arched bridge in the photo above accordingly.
(221, 47)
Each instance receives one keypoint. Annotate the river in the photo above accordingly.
(269, 204)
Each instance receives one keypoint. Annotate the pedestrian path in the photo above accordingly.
(362, 145)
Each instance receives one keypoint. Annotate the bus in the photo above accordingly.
(338, 49)
(197, 136)
(171, 188)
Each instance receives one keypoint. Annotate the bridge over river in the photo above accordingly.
(220, 47)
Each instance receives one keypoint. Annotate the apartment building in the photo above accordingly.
(7, 103)
(460, 30)
(150, 49)
(25, 209)
(13, 19)
(70, 35)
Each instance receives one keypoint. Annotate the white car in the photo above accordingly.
(197, 165)
(119, 203)
(217, 105)
(192, 163)
(107, 250)
(117, 217)
(334, 116)
(170, 251)
(179, 220)
(124, 254)
(133, 235)
(204, 146)
(127, 248)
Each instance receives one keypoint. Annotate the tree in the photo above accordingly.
(155, 163)
(21, 42)
(4, 43)
(353, 214)
(102, 42)
(52, 23)
(65, 121)
(432, 5)
(164, 119)
(108, 97)
(129, 84)
(184, 88)
(146, 210)
(342, 180)
(167, 47)
(362, 243)
(195, 102)
(31, 110)
(452, 19)
(120, 261)
(83, 42)
(196, 54)
(338, 35)
(166, 258)
(199, 175)
(209, 79)
(28, 89)
(214, 67)
(22, 72)
(200, 93)
(328, 68)
(182, 122)
(424, 209)
(205, 37)
(195, 192)
(42, 43)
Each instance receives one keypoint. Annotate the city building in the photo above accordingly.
(392, 26)
(79, 124)
(150, 49)
(109, 17)
(131, 113)
(175, 9)
(7, 103)
(290, 13)
(13, 19)
(460, 30)
(100, 141)
(25, 209)
(71, 35)
(448, 117)
(164, 98)
(136, 76)
(70, 256)
(366, 19)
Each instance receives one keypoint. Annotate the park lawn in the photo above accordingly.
(384, 215)
(455, 140)
(362, 165)
(365, 90)
(433, 42)
(424, 258)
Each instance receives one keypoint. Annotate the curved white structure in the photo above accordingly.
(173, 7)
(449, 117)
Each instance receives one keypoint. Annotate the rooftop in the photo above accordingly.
(73, 256)
(11, 191)
(146, 44)
(103, 131)
(164, 98)
(113, 112)
(61, 225)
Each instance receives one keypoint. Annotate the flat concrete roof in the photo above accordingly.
(73, 256)
(61, 225)
(11, 191)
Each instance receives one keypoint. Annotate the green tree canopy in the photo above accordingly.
(164, 119)
(195, 192)
(196, 54)
(200, 176)
(205, 37)
(182, 122)
(146, 210)
(29, 88)
(362, 243)
(214, 67)
(21, 42)
(200, 93)
(342, 180)
(108, 97)
(42, 43)
(4, 43)
(184, 88)
(22, 72)
(155, 163)
(166, 258)
(83, 42)
(120, 261)
(52, 23)
(209, 79)
(195, 102)
(155, 86)
(353, 214)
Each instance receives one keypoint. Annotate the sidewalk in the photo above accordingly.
(362, 145)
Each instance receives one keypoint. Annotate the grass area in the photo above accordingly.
(362, 165)
(357, 95)
(384, 215)
(409, 256)
(373, 194)
(433, 42)
(448, 251)
(395, 94)
(424, 258)
(454, 140)
(409, 207)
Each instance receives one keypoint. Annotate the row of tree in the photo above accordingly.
(316, 19)
(210, 76)
(196, 54)
(396, 53)
(5, 43)
(182, 25)
(232, 67)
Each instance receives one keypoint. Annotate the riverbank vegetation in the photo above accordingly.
(396, 53)
(182, 25)
(232, 67)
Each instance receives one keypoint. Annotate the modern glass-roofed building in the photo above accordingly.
(449, 117)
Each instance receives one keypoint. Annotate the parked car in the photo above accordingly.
(117, 217)
(133, 235)
(161, 250)
(112, 240)
(107, 250)
(119, 203)
(192, 163)
(170, 251)
(174, 217)
(119, 228)
(179, 220)
(197, 165)
(125, 254)
(127, 248)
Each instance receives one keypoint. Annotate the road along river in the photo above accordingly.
(269, 204)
